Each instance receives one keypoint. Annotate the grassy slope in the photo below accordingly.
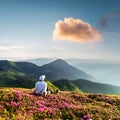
(93, 87)
(86, 86)
(66, 85)
(23, 74)
(19, 103)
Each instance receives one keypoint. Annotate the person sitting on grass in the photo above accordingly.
(41, 86)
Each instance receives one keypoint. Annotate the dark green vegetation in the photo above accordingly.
(86, 86)
(25, 74)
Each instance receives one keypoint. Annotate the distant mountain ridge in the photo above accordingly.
(24, 67)
(59, 72)
(58, 69)
(104, 70)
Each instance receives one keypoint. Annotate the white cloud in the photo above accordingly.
(75, 30)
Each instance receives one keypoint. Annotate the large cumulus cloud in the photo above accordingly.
(75, 30)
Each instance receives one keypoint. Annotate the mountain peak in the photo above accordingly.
(60, 69)
(59, 61)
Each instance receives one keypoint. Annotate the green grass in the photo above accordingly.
(51, 86)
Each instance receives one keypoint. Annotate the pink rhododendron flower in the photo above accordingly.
(1, 106)
(87, 117)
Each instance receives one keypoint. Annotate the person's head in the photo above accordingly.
(42, 77)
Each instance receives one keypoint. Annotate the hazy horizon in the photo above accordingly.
(103, 70)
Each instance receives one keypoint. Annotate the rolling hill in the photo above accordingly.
(86, 86)
(58, 69)
(59, 72)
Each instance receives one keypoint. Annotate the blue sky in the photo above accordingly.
(26, 29)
